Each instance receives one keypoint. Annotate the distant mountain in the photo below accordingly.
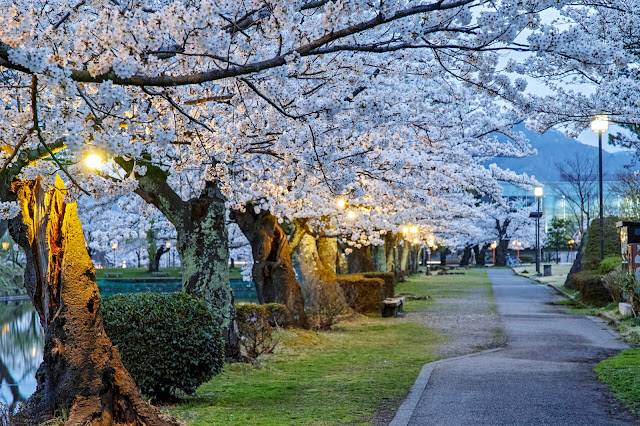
(554, 147)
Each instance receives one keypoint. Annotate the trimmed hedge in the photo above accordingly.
(527, 258)
(610, 264)
(168, 342)
(389, 281)
(364, 295)
(592, 290)
(591, 260)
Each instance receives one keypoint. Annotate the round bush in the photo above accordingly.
(168, 342)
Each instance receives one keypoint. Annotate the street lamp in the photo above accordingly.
(571, 244)
(93, 161)
(600, 123)
(537, 214)
(517, 244)
(168, 246)
(114, 246)
(493, 247)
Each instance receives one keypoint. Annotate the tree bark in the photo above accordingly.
(81, 370)
(501, 253)
(360, 260)
(328, 252)
(466, 257)
(480, 254)
(379, 258)
(202, 245)
(403, 264)
(272, 270)
(154, 263)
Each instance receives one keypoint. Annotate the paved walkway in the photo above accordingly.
(543, 376)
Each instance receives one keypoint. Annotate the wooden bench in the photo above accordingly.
(112, 275)
(160, 274)
(391, 306)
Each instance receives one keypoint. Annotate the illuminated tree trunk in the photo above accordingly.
(272, 269)
(318, 280)
(81, 370)
(379, 258)
(403, 267)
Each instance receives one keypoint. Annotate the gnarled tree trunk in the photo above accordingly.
(466, 257)
(501, 253)
(202, 245)
(82, 370)
(272, 270)
(360, 260)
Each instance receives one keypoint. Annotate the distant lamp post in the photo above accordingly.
(114, 246)
(517, 245)
(494, 245)
(431, 244)
(537, 214)
(600, 123)
(564, 210)
(168, 246)
(572, 243)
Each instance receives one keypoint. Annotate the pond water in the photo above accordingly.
(22, 339)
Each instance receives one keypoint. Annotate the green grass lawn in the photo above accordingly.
(337, 377)
(144, 273)
(622, 375)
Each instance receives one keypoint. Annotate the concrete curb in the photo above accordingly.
(405, 412)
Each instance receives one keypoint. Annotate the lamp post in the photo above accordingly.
(564, 210)
(517, 244)
(114, 246)
(538, 193)
(571, 243)
(168, 246)
(493, 247)
(600, 123)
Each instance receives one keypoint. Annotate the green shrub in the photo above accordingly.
(364, 295)
(592, 290)
(609, 264)
(389, 279)
(168, 342)
(526, 258)
(256, 332)
(591, 261)
(11, 281)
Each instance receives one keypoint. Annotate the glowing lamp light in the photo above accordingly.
(405, 230)
(93, 161)
(413, 230)
(5, 245)
(168, 245)
(537, 191)
(416, 241)
(351, 214)
(114, 245)
(494, 245)
(600, 123)
(341, 203)
(431, 243)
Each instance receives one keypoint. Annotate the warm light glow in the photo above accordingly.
(114, 245)
(341, 203)
(168, 245)
(93, 161)
(413, 230)
(351, 214)
(494, 244)
(405, 230)
(416, 241)
(600, 123)
(5, 329)
(430, 242)
(572, 242)
(538, 191)
(5, 245)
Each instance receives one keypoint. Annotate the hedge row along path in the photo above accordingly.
(543, 375)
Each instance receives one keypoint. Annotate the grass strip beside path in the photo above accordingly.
(339, 377)
(622, 375)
